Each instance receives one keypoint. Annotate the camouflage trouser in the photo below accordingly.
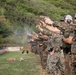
(73, 69)
(43, 57)
(73, 56)
(40, 53)
(34, 49)
(67, 58)
(54, 63)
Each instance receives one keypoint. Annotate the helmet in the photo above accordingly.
(68, 17)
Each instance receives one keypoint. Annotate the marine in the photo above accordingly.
(54, 60)
(73, 50)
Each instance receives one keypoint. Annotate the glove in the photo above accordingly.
(50, 50)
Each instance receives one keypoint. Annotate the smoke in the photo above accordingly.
(21, 34)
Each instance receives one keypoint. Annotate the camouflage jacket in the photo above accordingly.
(73, 47)
(66, 31)
(64, 27)
(54, 40)
(47, 32)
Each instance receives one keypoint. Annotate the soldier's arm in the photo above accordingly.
(47, 22)
(68, 40)
(35, 37)
(47, 32)
(43, 37)
(46, 19)
(53, 29)
(40, 29)
(44, 31)
(50, 28)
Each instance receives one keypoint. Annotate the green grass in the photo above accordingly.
(29, 66)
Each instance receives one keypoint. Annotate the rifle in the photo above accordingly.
(64, 27)
(73, 26)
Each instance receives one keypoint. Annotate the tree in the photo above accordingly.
(4, 30)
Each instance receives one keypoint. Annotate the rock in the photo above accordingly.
(11, 60)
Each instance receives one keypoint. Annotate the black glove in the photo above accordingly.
(61, 47)
(50, 50)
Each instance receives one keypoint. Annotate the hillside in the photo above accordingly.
(18, 15)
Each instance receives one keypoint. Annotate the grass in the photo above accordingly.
(29, 66)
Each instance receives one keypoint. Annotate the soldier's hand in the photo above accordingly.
(35, 34)
(46, 19)
(38, 25)
(43, 23)
(51, 53)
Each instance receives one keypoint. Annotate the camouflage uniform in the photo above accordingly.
(73, 52)
(42, 51)
(44, 55)
(67, 56)
(66, 47)
(73, 49)
(69, 51)
(34, 46)
(47, 44)
(55, 61)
